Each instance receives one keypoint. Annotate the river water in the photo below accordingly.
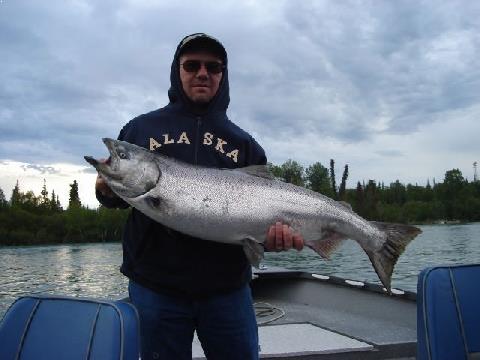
(92, 270)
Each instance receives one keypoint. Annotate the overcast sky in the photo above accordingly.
(390, 88)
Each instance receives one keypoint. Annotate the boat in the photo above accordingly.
(310, 316)
(301, 316)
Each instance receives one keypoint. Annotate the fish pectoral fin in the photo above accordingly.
(153, 201)
(253, 251)
(329, 242)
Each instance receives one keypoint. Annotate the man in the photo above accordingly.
(178, 283)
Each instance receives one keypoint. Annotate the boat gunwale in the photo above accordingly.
(334, 280)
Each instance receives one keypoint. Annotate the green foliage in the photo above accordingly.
(3, 200)
(28, 219)
(74, 199)
(54, 203)
(275, 170)
(290, 172)
(343, 184)
(32, 220)
(454, 199)
(318, 180)
(371, 200)
(44, 194)
(15, 198)
(340, 193)
(332, 179)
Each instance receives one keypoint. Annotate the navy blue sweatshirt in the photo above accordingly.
(160, 258)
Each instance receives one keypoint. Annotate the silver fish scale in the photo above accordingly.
(230, 206)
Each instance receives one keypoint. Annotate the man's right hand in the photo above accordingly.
(101, 186)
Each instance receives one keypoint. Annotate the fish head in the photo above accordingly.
(130, 171)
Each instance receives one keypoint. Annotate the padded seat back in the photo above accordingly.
(49, 327)
(448, 313)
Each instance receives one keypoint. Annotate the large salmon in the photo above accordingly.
(238, 206)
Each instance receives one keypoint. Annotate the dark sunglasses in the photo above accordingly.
(213, 67)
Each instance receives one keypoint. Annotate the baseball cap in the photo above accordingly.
(201, 41)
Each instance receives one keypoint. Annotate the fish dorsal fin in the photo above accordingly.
(257, 170)
(345, 205)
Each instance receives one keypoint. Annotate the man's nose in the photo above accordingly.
(202, 72)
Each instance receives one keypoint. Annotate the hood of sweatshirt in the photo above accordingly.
(177, 96)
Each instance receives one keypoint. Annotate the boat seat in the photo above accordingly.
(448, 313)
(53, 327)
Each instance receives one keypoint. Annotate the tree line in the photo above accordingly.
(30, 219)
(454, 199)
(27, 219)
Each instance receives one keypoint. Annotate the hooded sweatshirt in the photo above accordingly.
(158, 257)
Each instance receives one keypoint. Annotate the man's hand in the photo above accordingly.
(281, 237)
(101, 186)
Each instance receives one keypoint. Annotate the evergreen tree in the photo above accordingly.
(398, 193)
(454, 194)
(54, 204)
(44, 193)
(59, 205)
(343, 184)
(15, 199)
(29, 201)
(428, 193)
(371, 200)
(74, 200)
(360, 200)
(3, 200)
(332, 179)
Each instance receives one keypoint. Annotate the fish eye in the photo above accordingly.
(122, 155)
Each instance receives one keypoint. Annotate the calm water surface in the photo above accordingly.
(92, 270)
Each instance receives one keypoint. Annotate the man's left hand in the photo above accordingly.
(281, 237)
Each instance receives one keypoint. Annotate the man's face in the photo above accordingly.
(200, 86)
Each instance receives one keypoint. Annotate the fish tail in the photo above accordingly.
(384, 259)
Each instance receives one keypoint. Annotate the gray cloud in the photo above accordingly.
(89, 170)
(389, 153)
(348, 72)
(384, 59)
(40, 168)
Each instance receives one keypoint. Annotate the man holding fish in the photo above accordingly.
(177, 283)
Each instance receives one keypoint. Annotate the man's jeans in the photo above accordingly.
(225, 325)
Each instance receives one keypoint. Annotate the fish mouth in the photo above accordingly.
(92, 161)
(109, 143)
(109, 167)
